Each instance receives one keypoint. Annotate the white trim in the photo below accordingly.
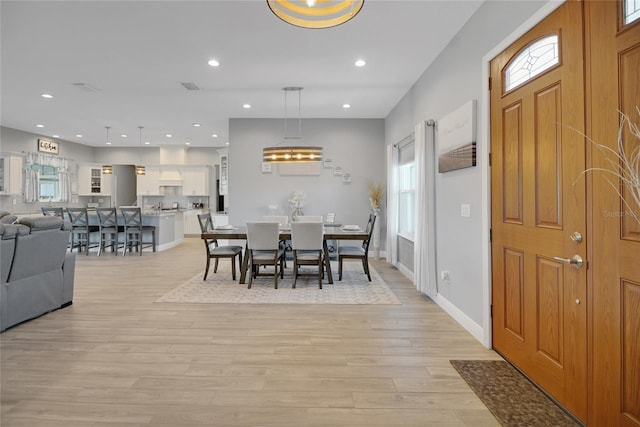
(404, 270)
(484, 140)
(459, 316)
(407, 237)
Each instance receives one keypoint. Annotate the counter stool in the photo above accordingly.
(134, 230)
(108, 228)
(80, 229)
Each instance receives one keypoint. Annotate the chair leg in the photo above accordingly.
(339, 268)
(320, 270)
(233, 268)
(365, 264)
(275, 274)
(250, 269)
(295, 270)
(215, 266)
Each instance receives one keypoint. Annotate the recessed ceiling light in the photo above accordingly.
(360, 63)
(196, 125)
(55, 136)
(108, 142)
(346, 106)
(215, 135)
(147, 143)
(39, 126)
(169, 135)
(214, 62)
(246, 106)
(78, 135)
(47, 95)
(227, 143)
(187, 143)
(124, 135)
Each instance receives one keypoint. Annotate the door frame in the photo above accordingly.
(484, 137)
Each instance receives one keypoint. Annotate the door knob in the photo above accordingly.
(576, 261)
(576, 237)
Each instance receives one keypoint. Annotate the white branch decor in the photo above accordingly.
(624, 165)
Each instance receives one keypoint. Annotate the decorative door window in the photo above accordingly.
(533, 60)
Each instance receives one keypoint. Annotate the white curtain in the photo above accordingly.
(392, 204)
(31, 185)
(424, 240)
(64, 185)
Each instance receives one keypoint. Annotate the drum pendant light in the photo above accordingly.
(107, 169)
(140, 169)
(315, 13)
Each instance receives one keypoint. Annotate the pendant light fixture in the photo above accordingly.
(107, 169)
(315, 13)
(140, 169)
(292, 154)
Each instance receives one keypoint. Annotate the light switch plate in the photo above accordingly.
(465, 210)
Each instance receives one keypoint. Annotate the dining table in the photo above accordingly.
(330, 233)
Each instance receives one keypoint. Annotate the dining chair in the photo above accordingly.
(283, 222)
(263, 244)
(134, 230)
(81, 231)
(51, 211)
(108, 229)
(216, 251)
(358, 252)
(307, 241)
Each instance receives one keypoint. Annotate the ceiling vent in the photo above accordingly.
(86, 87)
(190, 86)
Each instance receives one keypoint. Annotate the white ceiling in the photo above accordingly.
(136, 53)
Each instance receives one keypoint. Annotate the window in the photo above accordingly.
(631, 11)
(406, 199)
(48, 182)
(532, 61)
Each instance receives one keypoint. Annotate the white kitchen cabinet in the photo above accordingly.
(149, 183)
(191, 224)
(10, 175)
(92, 182)
(195, 181)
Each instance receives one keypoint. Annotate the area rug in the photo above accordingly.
(220, 289)
(511, 397)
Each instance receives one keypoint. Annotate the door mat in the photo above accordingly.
(510, 396)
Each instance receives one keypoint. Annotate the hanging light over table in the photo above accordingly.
(107, 169)
(315, 13)
(292, 154)
(140, 169)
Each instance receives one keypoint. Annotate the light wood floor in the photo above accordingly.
(115, 358)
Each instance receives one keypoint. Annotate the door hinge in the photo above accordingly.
(489, 159)
(491, 311)
(489, 83)
(490, 235)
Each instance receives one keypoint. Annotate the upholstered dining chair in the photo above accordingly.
(283, 222)
(307, 240)
(108, 229)
(134, 230)
(263, 244)
(358, 252)
(215, 251)
(81, 231)
(309, 218)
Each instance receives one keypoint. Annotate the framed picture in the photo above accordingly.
(346, 178)
(266, 167)
(328, 163)
(47, 146)
(337, 171)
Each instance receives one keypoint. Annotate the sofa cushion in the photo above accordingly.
(38, 223)
(10, 231)
(8, 219)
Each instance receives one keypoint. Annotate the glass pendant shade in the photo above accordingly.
(140, 169)
(315, 13)
(107, 169)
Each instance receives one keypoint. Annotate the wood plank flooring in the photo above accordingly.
(115, 358)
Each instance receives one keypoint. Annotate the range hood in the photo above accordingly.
(170, 178)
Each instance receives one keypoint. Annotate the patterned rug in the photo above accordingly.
(511, 397)
(220, 289)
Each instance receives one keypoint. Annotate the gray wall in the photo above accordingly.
(453, 79)
(355, 144)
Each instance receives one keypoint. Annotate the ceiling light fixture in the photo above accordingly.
(292, 154)
(47, 95)
(214, 62)
(107, 169)
(360, 63)
(140, 169)
(315, 14)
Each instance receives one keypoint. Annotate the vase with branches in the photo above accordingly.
(375, 195)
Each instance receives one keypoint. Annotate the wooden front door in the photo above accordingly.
(614, 86)
(539, 301)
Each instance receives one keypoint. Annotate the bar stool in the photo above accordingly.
(134, 230)
(108, 227)
(80, 229)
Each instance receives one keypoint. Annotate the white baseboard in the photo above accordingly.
(169, 245)
(404, 270)
(472, 327)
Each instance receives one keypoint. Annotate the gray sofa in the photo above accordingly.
(36, 271)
